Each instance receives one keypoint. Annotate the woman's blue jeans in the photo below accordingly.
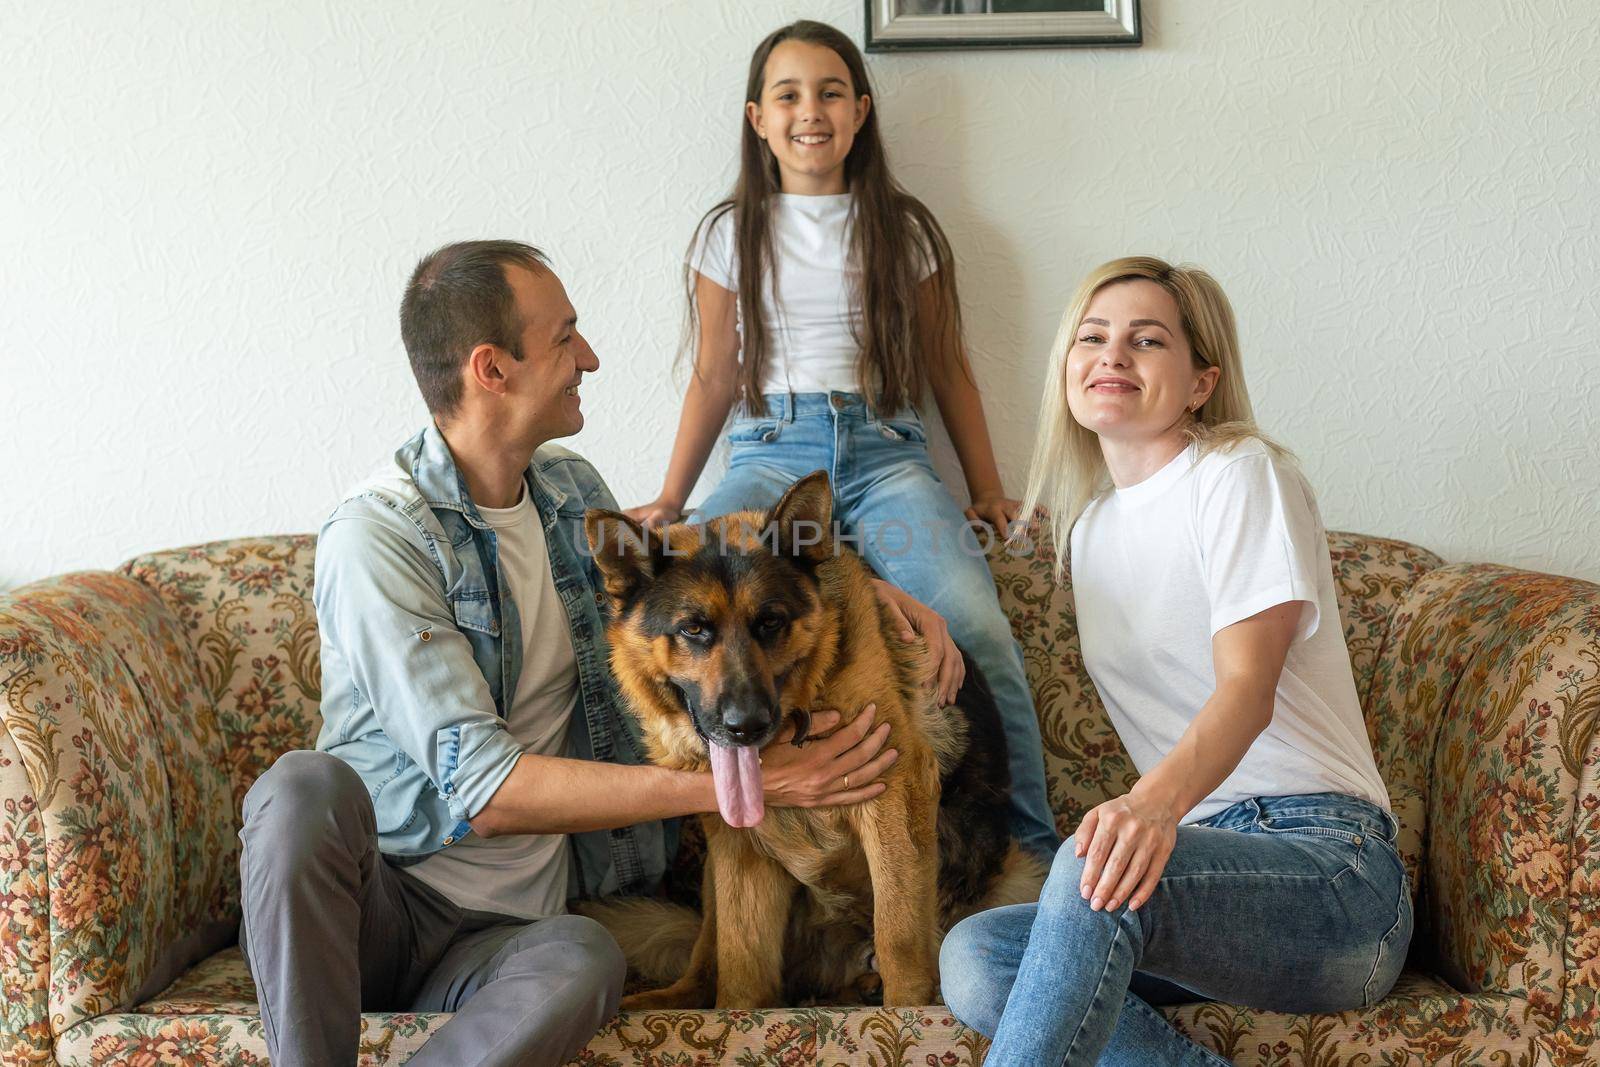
(902, 520)
(1290, 904)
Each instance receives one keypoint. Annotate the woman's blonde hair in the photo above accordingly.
(1068, 469)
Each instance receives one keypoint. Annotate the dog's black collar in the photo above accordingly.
(802, 726)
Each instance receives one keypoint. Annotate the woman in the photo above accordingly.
(1254, 861)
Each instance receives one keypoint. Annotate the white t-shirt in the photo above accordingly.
(1159, 567)
(812, 321)
(521, 874)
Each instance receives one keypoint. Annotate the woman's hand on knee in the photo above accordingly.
(1125, 844)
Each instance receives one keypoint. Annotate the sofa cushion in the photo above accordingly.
(209, 1016)
(211, 1012)
(216, 1040)
(1422, 1021)
(1372, 575)
(1084, 760)
(246, 608)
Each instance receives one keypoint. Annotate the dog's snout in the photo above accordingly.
(746, 722)
(747, 708)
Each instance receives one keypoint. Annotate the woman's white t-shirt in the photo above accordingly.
(813, 321)
(1159, 567)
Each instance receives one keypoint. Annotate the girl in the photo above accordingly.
(1254, 862)
(824, 298)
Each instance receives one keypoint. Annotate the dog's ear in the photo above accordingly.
(801, 524)
(627, 554)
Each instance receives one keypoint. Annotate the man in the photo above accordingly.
(420, 859)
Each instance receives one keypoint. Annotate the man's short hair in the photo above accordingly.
(458, 298)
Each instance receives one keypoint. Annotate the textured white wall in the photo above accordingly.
(208, 209)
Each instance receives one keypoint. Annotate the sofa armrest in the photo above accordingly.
(115, 839)
(24, 918)
(1496, 672)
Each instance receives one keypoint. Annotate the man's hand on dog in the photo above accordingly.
(840, 768)
(913, 617)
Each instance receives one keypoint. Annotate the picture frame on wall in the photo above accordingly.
(896, 25)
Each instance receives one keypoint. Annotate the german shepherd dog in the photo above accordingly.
(721, 633)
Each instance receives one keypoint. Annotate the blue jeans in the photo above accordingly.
(1290, 904)
(885, 492)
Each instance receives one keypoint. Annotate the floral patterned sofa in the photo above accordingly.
(140, 705)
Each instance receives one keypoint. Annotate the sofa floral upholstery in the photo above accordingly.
(139, 706)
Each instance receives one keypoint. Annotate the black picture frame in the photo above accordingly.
(894, 26)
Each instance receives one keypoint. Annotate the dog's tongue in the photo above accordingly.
(737, 775)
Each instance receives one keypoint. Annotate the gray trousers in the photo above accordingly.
(331, 930)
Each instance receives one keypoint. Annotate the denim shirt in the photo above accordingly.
(416, 673)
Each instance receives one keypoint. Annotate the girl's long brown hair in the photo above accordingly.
(891, 233)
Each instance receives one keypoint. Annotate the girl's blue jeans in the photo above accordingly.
(903, 521)
(1289, 904)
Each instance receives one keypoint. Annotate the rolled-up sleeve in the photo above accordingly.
(380, 604)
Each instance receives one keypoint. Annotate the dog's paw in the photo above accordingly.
(869, 989)
(672, 998)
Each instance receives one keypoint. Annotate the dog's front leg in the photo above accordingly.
(754, 895)
(693, 988)
(899, 833)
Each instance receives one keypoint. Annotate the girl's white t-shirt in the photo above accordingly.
(813, 321)
(1209, 540)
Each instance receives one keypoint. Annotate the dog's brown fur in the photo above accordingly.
(815, 879)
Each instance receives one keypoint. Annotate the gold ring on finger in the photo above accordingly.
(847, 781)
